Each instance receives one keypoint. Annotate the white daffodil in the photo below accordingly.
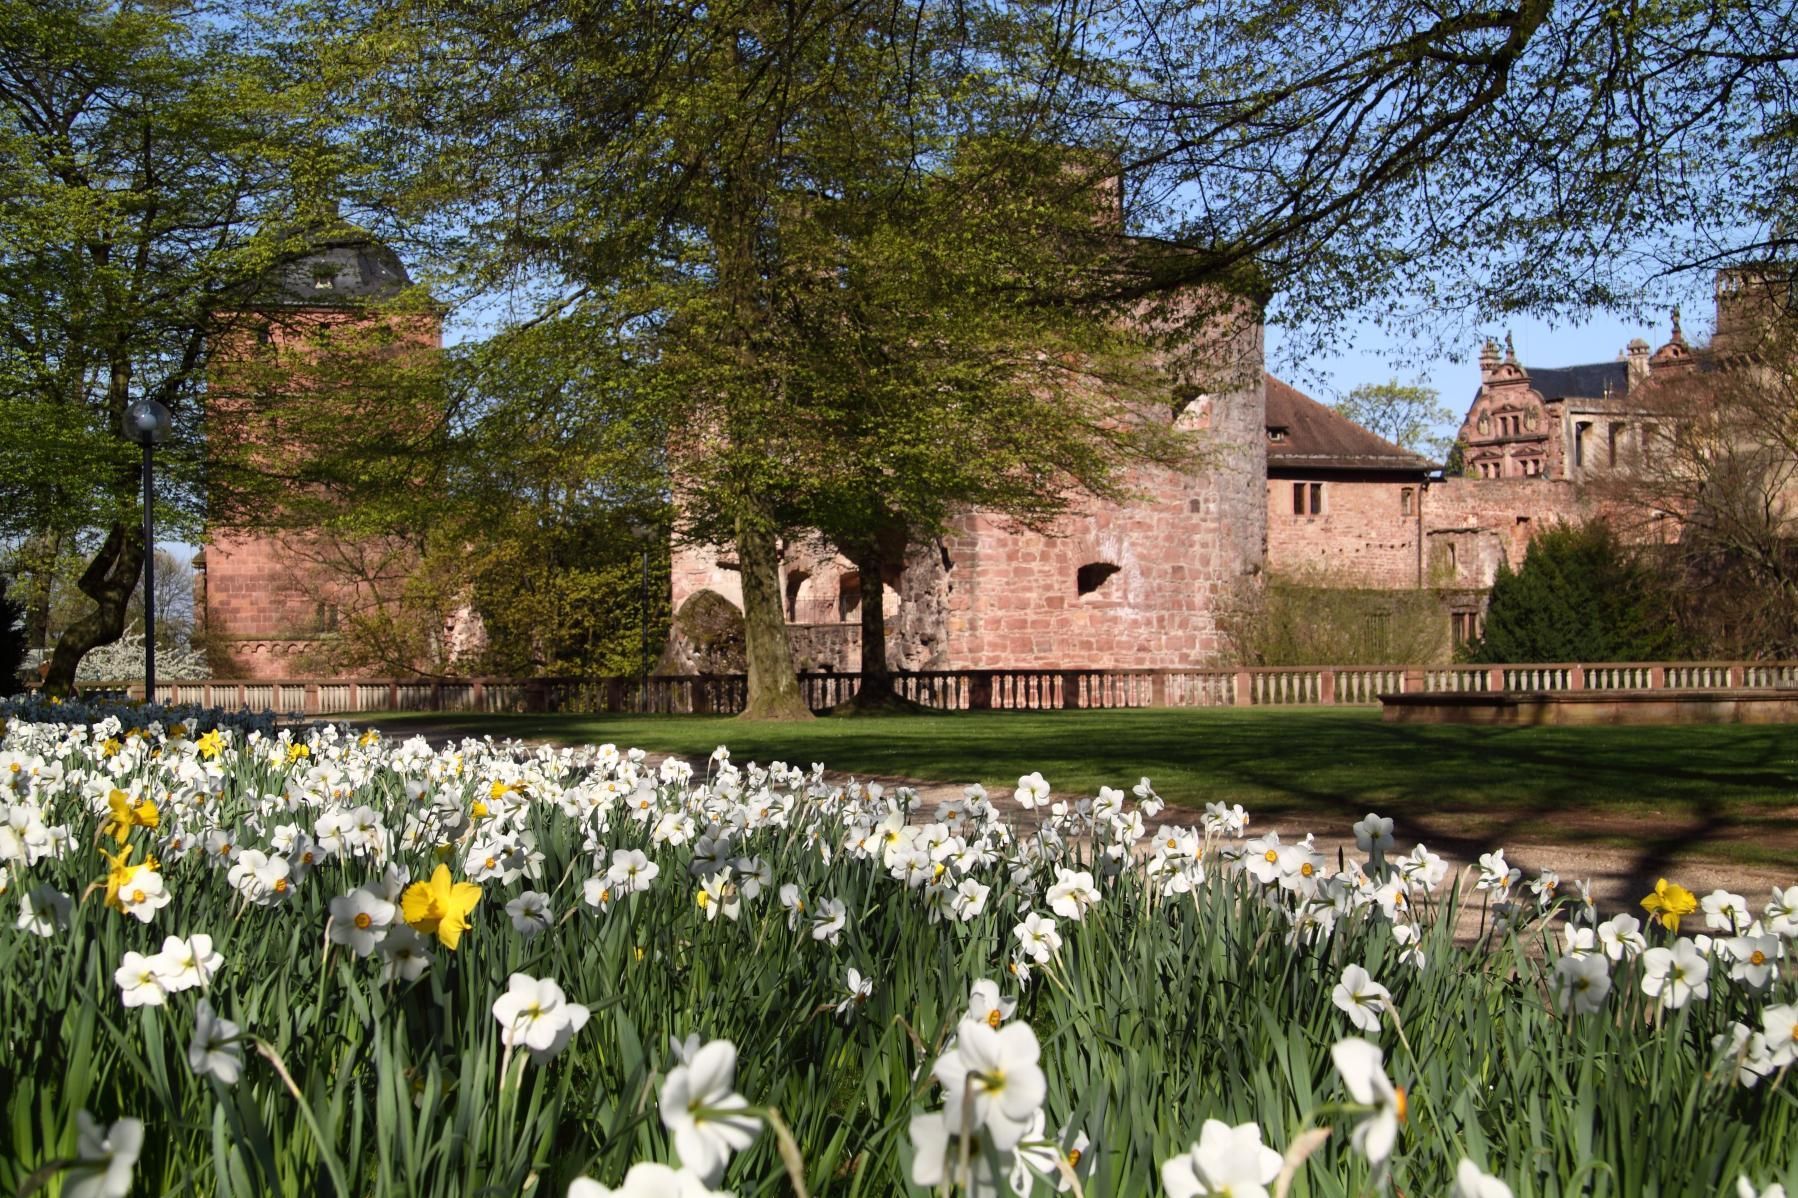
(44, 911)
(1753, 959)
(1725, 912)
(214, 1051)
(1373, 832)
(1582, 982)
(1032, 791)
(631, 871)
(1363, 1073)
(991, 1079)
(969, 899)
(1782, 912)
(144, 895)
(536, 1014)
(1361, 998)
(1496, 874)
(986, 1005)
(361, 919)
(828, 924)
(700, 1109)
(1779, 1027)
(1745, 1050)
(1037, 1154)
(937, 1153)
(1676, 975)
(403, 955)
(1621, 936)
(860, 990)
(1037, 937)
(187, 962)
(1581, 941)
(1472, 1182)
(104, 1158)
(530, 913)
(648, 1180)
(1226, 1161)
(792, 901)
(1073, 893)
(140, 985)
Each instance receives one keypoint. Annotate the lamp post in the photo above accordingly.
(643, 530)
(148, 423)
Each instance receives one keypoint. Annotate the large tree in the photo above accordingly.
(825, 247)
(153, 161)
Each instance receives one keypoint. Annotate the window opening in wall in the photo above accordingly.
(1317, 499)
(1405, 498)
(795, 580)
(1092, 576)
(1451, 555)
(1616, 442)
(1581, 432)
(1466, 626)
(1298, 499)
(849, 596)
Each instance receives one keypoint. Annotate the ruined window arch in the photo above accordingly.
(1092, 577)
(795, 580)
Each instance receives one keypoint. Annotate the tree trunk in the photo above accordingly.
(773, 683)
(876, 690)
(108, 580)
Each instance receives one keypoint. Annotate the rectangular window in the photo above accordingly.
(1317, 499)
(1298, 499)
(1404, 501)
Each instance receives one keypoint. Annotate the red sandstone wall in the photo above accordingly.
(1489, 520)
(1362, 539)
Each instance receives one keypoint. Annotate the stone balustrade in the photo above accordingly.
(970, 690)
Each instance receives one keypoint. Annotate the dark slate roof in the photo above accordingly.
(1319, 438)
(357, 268)
(1580, 382)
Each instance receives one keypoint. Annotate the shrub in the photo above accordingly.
(1580, 595)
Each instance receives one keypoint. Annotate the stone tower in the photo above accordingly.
(265, 601)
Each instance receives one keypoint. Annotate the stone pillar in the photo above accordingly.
(1245, 688)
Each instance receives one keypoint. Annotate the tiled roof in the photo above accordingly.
(1318, 438)
(1590, 381)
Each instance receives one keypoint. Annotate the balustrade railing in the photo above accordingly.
(966, 690)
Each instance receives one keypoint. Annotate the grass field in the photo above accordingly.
(1730, 791)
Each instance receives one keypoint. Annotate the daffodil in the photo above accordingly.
(440, 906)
(210, 745)
(1669, 902)
(701, 1109)
(125, 814)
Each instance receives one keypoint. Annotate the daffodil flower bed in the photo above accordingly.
(242, 960)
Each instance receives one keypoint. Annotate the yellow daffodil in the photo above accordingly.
(440, 906)
(178, 731)
(295, 752)
(367, 738)
(210, 745)
(1669, 901)
(498, 791)
(127, 815)
(110, 747)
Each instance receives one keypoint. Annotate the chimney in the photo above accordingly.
(1638, 362)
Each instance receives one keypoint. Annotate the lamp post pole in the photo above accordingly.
(147, 422)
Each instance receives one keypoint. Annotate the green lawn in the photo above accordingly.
(1729, 788)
